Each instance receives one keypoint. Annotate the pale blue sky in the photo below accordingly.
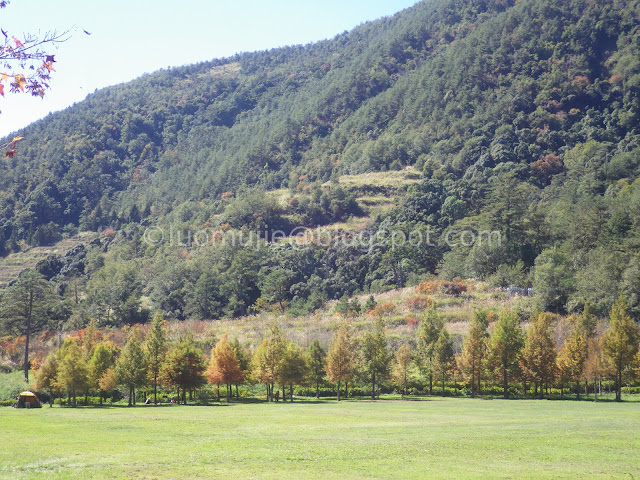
(129, 38)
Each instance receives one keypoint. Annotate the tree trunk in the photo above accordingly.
(473, 382)
(578, 389)
(443, 378)
(317, 390)
(505, 384)
(430, 383)
(373, 386)
(338, 390)
(155, 389)
(26, 354)
(291, 392)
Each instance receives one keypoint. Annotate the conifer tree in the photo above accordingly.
(539, 353)
(620, 342)
(73, 373)
(443, 356)
(156, 343)
(505, 347)
(317, 363)
(474, 350)
(340, 359)
(428, 333)
(224, 368)
(402, 368)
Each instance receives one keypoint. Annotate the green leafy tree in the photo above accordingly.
(25, 308)
(156, 343)
(293, 369)
(474, 350)
(73, 372)
(317, 361)
(47, 374)
(428, 333)
(621, 342)
(103, 359)
(376, 358)
(443, 356)
(131, 367)
(275, 286)
(402, 368)
(505, 348)
(267, 359)
(184, 368)
(553, 279)
(244, 362)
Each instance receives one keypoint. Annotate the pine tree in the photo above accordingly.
(620, 342)
(25, 309)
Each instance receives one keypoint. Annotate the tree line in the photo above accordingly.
(497, 351)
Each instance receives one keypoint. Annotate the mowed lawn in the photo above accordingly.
(433, 438)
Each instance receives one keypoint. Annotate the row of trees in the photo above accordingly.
(495, 351)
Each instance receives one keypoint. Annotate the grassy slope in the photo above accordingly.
(452, 438)
(322, 324)
(13, 264)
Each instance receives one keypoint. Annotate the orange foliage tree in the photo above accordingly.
(223, 367)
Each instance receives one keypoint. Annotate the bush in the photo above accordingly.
(418, 304)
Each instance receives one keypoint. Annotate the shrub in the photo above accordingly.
(384, 309)
(418, 304)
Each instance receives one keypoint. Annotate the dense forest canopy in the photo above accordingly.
(521, 117)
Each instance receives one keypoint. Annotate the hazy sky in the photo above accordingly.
(129, 38)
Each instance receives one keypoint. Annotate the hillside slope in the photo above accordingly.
(521, 116)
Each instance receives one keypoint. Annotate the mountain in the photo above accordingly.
(520, 116)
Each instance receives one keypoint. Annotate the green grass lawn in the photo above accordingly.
(434, 438)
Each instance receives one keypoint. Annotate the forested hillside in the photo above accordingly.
(520, 117)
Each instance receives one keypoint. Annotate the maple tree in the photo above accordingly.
(26, 65)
